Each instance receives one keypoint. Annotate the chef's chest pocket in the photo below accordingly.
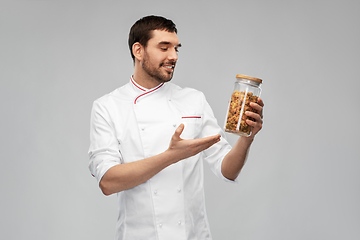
(193, 126)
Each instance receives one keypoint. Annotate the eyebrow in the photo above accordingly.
(169, 43)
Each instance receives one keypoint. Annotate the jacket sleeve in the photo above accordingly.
(216, 153)
(104, 147)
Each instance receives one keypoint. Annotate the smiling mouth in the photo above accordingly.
(169, 67)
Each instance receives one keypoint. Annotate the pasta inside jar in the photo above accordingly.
(239, 104)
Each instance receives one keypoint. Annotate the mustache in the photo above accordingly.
(168, 63)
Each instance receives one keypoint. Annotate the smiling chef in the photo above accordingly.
(148, 140)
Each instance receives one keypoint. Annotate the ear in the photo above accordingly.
(137, 50)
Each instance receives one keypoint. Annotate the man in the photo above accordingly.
(149, 139)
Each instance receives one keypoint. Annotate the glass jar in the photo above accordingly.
(247, 89)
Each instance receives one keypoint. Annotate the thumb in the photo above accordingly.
(179, 130)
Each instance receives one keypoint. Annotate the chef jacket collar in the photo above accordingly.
(141, 91)
(138, 89)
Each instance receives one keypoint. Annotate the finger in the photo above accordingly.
(203, 146)
(207, 140)
(256, 106)
(260, 101)
(254, 124)
(179, 130)
(212, 142)
(255, 127)
(198, 145)
(210, 138)
(256, 116)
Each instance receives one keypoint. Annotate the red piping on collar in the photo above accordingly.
(136, 84)
(148, 92)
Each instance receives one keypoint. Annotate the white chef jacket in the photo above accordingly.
(133, 123)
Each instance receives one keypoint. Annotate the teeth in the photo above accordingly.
(170, 67)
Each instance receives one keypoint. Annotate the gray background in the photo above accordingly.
(302, 179)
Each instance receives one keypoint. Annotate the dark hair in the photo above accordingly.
(141, 31)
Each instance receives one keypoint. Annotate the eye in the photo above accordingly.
(164, 49)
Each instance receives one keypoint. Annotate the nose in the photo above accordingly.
(173, 55)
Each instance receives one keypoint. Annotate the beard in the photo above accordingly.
(157, 73)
